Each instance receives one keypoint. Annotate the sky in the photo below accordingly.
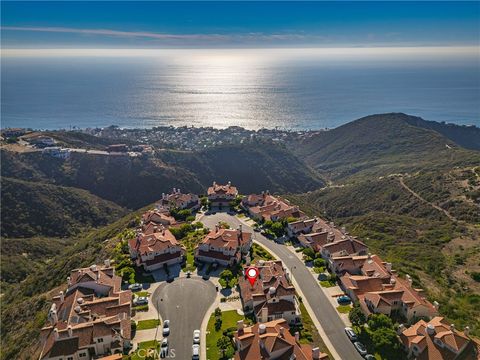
(154, 25)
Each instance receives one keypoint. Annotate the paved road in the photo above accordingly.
(324, 311)
(184, 302)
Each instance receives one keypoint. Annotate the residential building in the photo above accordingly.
(344, 247)
(221, 195)
(303, 226)
(264, 207)
(117, 148)
(41, 141)
(178, 200)
(437, 339)
(379, 290)
(272, 341)
(157, 217)
(57, 152)
(156, 248)
(272, 296)
(224, 246)
(315, 240)
(91, 319)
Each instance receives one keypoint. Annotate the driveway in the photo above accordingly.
(184, 302)
(321, 306)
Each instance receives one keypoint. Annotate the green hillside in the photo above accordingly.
(135, 182)
(36, 209)
(379, 145)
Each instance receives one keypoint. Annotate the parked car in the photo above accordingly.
(257, 229)
(205, 277)
(351, 334)
(135, 287)
(344, 299)
(196, 352)
(196, 336)
(360, 348)
(164, 348)
(189, 274)
(141, 300)
(166, 328)
(369, 357)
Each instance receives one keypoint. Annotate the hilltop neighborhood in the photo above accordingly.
(106, 310)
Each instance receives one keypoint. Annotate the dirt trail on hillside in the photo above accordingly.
(447, 214)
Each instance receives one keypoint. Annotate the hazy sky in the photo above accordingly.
(240, 24)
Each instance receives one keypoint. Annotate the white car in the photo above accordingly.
(351, 334)
(142, 300)
(166, 328)
(135, 287)
(164, 348)
(196, 352)
(196, 336)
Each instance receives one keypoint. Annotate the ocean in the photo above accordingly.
(293, 89)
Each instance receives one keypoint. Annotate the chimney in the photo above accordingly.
(52, 314)
(409, 279)
(217, 228)
(240, 325)
(163, 196)
(107, 263)
(229, 183)
(466, 331)
(264, 315)
(282, 331)
(297, 336)
(174, 191)
(70, 331)
(436, 305)
(69, 281)
(214, 183)
(62, 297)
(315, 353)
(262, 328)
(452, 327)
(388, 266)
(55, 333)
(178, 191)
(401, 329)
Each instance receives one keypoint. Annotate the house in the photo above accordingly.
(224, 246)
(271, 341)
(315, 240)
(41, 141)
(221, 195)
(57, 152)
(304, 226)
(264, 207)
(437, 339)
(13, 132)
(344, 247)
(350, 264)
(157, 217)
(378, 289)
(272, 296)
(178, 200)
(156, 249)
(89, 320)
(115, 148)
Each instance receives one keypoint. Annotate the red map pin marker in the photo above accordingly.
(252, 274)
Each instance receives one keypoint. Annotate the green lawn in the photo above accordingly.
(344, 309)
(141, 307)
(309, 333)
(148, 324)
(152, 344)
(229, 319)
(260, 253)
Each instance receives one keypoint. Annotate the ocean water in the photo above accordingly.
(293, 89)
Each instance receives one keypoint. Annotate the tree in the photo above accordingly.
(204, 201)
(277, 228)
(356, 315)
(319, 262)
(377, 321)
(223, 344)
(218, 312)
(385, 341)
(309, 253)
(218, 323)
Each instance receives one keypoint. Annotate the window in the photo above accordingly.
(70, 358)
(82, 355)
(100, 340)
